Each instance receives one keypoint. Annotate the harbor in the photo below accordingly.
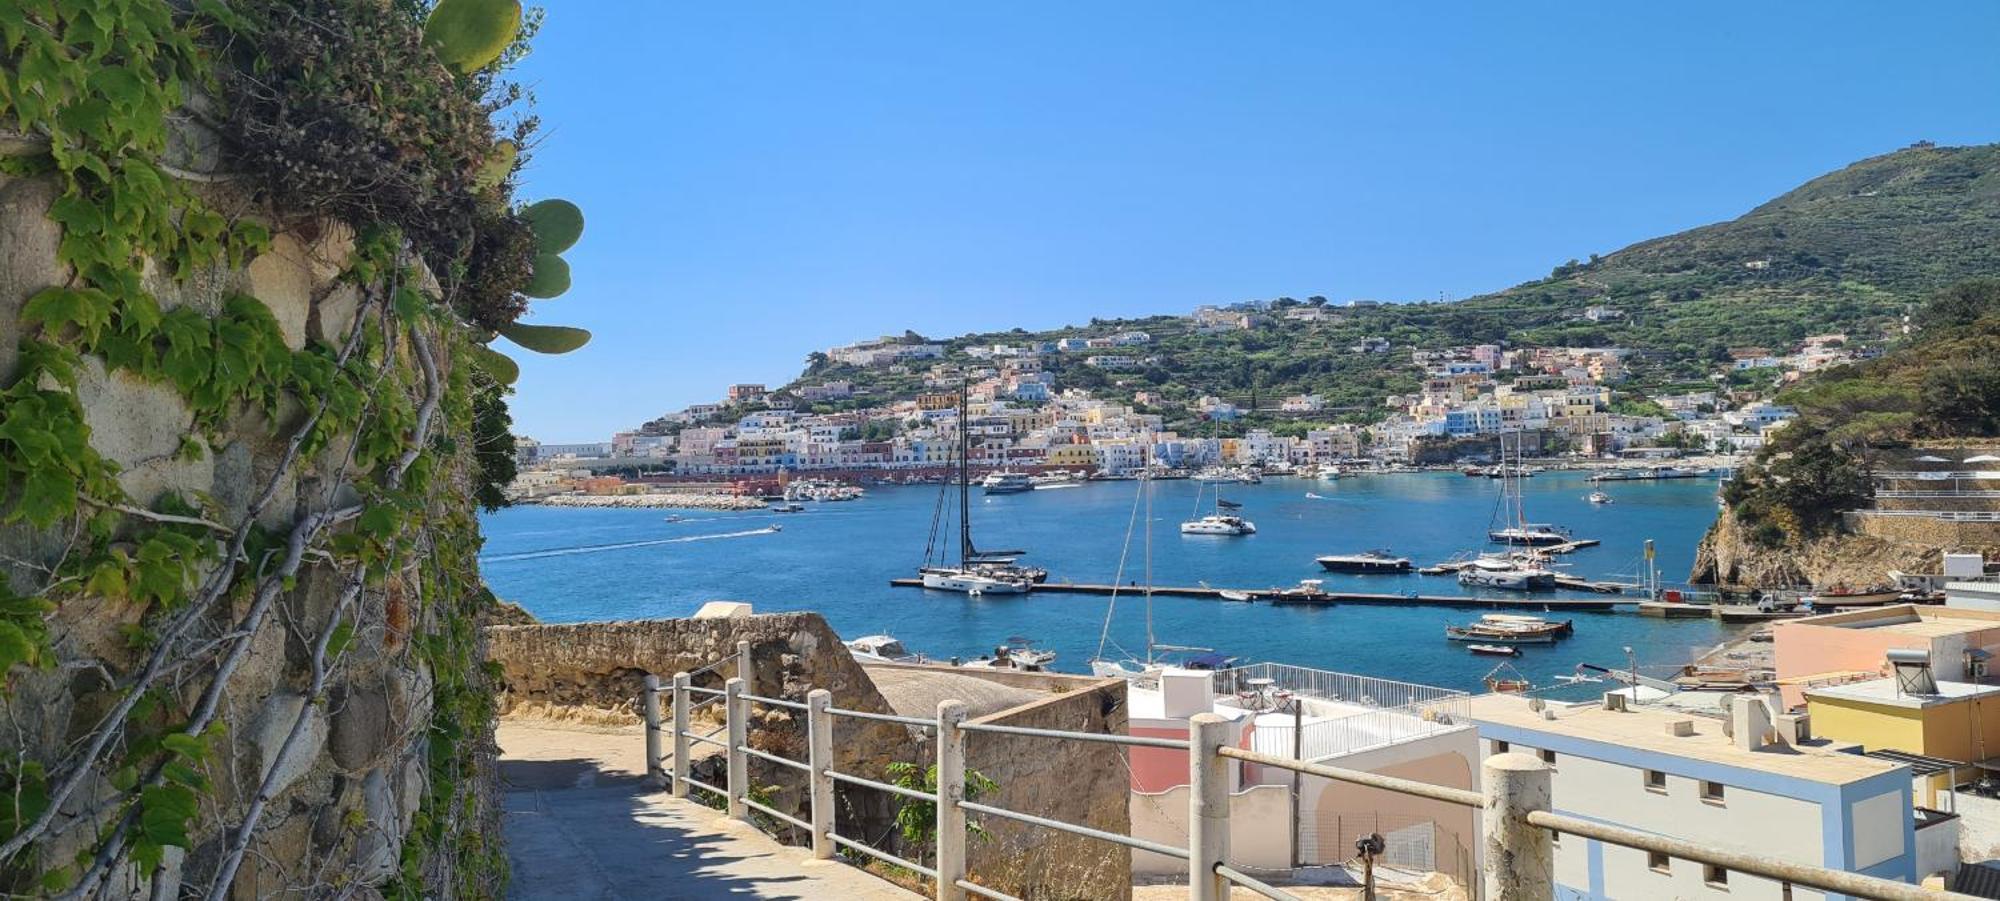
(840, 558)
(1324, 598)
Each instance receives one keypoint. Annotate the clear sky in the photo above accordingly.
(766, 179)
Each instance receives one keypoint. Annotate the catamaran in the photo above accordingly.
(977, 572)
(1219, 522)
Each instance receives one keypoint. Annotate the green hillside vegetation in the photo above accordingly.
(1848, 252)
(1941, 383)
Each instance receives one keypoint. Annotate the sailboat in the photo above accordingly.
(1133, 667)
(1223, 521)
(1506, 570)
(977, 572)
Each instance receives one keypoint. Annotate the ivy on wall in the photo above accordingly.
(311, 101)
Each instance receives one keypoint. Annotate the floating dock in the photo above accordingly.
(1325, 599)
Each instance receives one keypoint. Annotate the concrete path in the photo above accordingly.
(579, 825)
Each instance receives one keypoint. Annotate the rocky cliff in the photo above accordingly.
(1728, 556)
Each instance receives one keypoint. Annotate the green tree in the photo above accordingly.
(1961, 304)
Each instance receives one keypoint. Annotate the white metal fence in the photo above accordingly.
(1517, 823)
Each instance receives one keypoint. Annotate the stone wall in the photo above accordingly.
(349, 789)
(601, 666)
(1727, 556)
(1086, 783)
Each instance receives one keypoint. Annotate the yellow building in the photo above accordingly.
(1960, 723)
(1071, 456)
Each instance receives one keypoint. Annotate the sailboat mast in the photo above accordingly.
(1146, 473)
(964, 482)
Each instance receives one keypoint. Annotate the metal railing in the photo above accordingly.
(1516, 820)
(1945, 515)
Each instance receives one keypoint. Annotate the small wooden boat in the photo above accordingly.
(1494, 650)
(1505, 678)
(1475, 634)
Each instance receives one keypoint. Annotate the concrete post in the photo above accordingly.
(743, 668)
(1520, 858)
(1208, 806)
(819, 758)
(679, 784)
(650, 702)
(737, 711)
(951, 790)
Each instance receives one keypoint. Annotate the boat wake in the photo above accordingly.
(1315, 497)
(623, 545)
(1058, 485)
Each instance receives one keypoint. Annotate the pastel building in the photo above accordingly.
(1718, 782)
(1356, 722)
(1854, 645)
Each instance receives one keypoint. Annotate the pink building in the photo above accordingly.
(1853, 644)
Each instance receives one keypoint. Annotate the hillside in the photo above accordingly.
(1847, 251)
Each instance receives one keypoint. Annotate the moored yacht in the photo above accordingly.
(972, 581)
(1364, 562)
(1219, 524)
(976, 572)
(1529, 533)
(881, 649)
(1504, 572)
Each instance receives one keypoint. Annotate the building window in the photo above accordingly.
(1715, 876)
(1711, 791)
(1656, 781)
(1499, 747)
(1549, 757)
(1657, 862)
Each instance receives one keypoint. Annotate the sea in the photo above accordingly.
(837, 558)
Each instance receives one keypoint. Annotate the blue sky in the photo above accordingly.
(766, 179)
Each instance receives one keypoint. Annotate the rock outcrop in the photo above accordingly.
(1728, 556)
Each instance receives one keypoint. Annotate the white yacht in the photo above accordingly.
(1219, 524)
(1223, 521)
(1006, 483)
(1504, 572)
(1329, 472)
(972, 581)
(881, 649)
(1364, 562)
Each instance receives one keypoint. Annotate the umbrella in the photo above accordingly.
(1983, 458)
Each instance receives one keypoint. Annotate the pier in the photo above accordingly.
(1323, 599)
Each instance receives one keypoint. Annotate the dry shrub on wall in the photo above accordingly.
(338, 108)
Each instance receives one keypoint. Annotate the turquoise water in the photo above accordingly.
(566, 564)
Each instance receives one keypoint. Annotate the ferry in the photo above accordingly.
(1006, 483)
(1365, 562)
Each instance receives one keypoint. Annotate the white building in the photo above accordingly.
(1699, 779)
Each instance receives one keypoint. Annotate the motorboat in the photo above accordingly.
(1599, 497)
(1308, 591)
(881, 649)
(674, 517)
(1494, 650)
(787, 508)
(1377, 561)
(1231, 594)
(1504, 572)
(1006, 483)
(1329, 472)
(1016, 654)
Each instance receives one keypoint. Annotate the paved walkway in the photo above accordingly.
(579, 824)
